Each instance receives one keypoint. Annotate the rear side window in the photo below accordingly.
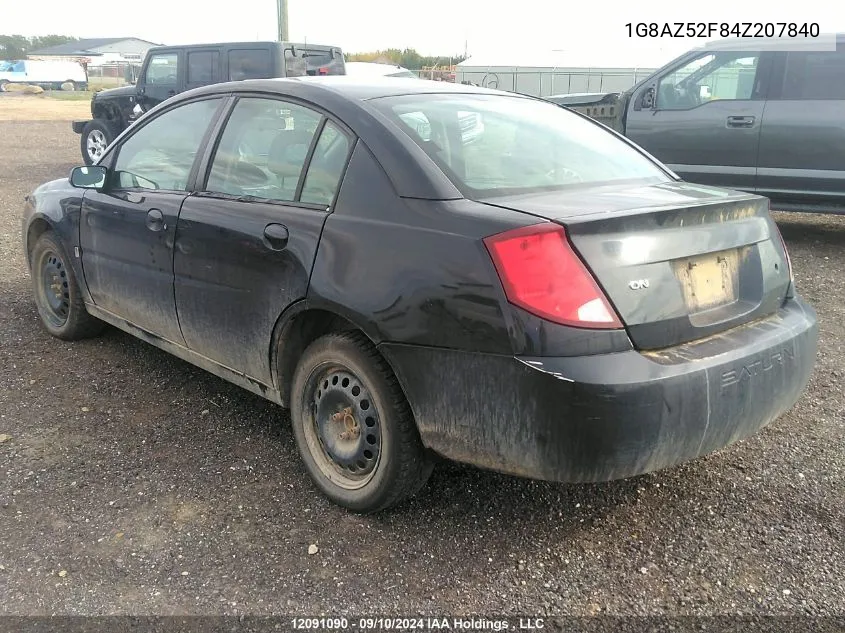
(249, 63)
(263, 149)
(326, 167)
(817, 75)
(202, 67)
(160, 154)
(163, 69)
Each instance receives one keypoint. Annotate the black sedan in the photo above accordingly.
(417, 269)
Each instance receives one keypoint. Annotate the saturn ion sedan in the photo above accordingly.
(547, 300)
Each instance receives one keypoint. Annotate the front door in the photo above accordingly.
(705, 122)
(246, 244)
(162, 77)
(128, 229)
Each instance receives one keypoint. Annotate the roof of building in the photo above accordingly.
(84, 47)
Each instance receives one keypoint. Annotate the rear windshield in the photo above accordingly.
(304, 60)
(497, 145)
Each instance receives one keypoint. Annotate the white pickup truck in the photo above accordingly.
(55, 75)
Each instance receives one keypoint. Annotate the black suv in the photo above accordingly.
(169, 70)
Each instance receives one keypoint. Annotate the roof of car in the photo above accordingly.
(351, 87)
(825, 41)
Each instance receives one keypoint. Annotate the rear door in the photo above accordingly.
(705, 123)
(246, 243)
(802, 140)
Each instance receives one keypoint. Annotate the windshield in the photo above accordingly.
(498, 145)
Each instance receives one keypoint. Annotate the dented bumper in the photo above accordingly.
(604, 417)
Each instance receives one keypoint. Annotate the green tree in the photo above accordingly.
(19, 46)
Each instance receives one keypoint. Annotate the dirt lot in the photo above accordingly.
(134, 483)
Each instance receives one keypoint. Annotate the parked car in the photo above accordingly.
(170, 70)
(548, 301)
(50, 75)
(750, 116)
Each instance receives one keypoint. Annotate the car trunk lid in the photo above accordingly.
(678, 261)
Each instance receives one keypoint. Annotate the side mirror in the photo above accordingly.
(90, 177)
(648, 99)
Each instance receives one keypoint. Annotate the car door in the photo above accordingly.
(163, 75)
(127, 229)
(802, 139)
(704, 123)
(246, 243)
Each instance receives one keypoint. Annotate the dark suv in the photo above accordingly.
(169, 70)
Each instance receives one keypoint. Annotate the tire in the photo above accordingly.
(3, 84)
(57, 295)
(100, 133)
(390, 460)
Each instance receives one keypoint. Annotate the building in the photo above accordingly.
(98, 51)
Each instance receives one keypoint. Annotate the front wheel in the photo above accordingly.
(97, 135)
(353, 426)
(57, 295)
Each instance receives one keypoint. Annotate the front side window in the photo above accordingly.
(263, 149)
(817, 75)
(494, 145)
(163, 69)
(711, 77)
(249, 63)
(160, 154)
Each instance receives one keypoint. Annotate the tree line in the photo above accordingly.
(19, 46)
(409, 58)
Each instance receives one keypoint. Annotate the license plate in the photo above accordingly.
(708, 281)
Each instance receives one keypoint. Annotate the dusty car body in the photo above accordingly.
(428, 300)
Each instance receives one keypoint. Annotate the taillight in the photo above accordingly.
(324, 71)
(542, 274)
(786, 252)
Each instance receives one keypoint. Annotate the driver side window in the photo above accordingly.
(160, 154)
(710, 77)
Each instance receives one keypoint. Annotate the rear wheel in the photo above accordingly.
(57, 293)
(96, 137)
(353, 425)
(3, 84)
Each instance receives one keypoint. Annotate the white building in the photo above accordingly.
(98, 52)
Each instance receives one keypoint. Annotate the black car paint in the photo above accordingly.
(400, 258)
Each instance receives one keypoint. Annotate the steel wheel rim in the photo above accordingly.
(343, 431)
(53, 289)
(96, 144)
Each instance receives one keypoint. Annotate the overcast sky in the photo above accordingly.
(592, 28)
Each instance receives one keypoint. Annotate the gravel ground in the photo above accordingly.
(134, 483)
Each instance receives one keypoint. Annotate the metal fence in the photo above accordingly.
(544, 82)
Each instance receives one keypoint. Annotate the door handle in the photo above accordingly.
(276, 236)
(155, 220)
(740, 121)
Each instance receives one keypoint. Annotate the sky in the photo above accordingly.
(582, 29)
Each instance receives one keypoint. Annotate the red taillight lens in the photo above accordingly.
(542, 274)
(324, 71)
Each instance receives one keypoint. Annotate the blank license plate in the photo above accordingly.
(708, 281)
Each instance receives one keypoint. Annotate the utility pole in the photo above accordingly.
(282, 19)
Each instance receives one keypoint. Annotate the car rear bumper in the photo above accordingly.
(604, 417)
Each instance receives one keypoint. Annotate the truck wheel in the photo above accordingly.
(3, 84)
(96, 137)
(57, 295)
(353, 426)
